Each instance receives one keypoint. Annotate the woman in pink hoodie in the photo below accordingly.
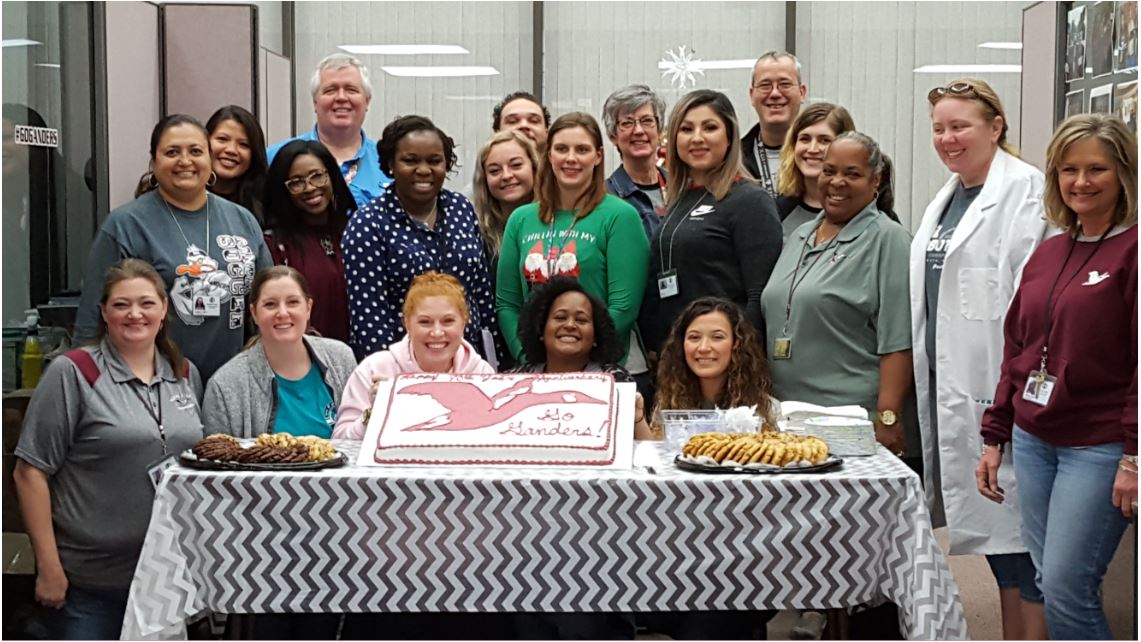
(435, 314)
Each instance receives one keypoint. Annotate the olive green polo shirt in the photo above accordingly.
(851, 306)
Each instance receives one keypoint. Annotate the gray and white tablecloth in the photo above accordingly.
(361, 539)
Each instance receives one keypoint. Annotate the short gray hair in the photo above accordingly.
(777, 54)
(628, 99)
(339, 61)
(875, 154)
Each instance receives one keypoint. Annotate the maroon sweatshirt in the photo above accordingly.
(1092, 349)
(318, 258)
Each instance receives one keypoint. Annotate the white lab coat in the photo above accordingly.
(981, 270)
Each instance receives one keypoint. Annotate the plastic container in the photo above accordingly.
(845, 436)
(679, 425)
(32, 361)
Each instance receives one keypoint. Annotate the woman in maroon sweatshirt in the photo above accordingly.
(1067, 394)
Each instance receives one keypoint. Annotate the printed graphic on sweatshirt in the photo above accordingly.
(202, 289)
(538, 267)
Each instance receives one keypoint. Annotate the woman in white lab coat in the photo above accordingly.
(966, 260)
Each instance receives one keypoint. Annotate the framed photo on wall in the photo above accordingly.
(1101, 99)
(1076, 43)
(1075, 103)
(1125, 36)
(1125, 97)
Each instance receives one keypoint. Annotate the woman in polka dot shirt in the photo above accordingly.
(414, 226)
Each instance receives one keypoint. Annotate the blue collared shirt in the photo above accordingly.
(384, 249)
(367, 183)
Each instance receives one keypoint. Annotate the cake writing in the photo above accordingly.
(559, 429)
(468, 408)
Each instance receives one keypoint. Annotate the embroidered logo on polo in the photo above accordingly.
(182, 401)
(1096, 277)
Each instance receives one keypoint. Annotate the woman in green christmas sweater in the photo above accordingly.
(575, 229)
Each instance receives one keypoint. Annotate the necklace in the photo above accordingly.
(206, 246)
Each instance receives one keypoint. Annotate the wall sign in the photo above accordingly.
(36, 136)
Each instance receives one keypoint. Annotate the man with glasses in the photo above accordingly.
(776, 92)
(341, 97)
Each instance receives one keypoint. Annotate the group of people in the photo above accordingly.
(751, 267)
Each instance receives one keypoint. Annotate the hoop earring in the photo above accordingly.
(152, 182)
(210, 182)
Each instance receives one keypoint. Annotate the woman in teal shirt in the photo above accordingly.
(575, 229)
(286, 381)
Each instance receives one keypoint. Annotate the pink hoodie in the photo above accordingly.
(387, 364)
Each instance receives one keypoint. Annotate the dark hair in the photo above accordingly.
(886, 200)
(400, 127)
(547, 184)
(139, 269)
(263, 276)
(747, 380)
(250, 185)
(160, 128)
(533, 322)
(728, 169)
(497, 111)
(282, 215)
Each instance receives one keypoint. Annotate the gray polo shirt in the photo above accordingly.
(851, 307)
(96, 443)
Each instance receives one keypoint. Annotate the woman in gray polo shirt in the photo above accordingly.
(101, 417)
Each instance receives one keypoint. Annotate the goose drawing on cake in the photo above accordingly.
(564, 419)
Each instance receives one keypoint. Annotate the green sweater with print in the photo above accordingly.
(606, 250)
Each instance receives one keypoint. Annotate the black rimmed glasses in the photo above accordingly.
(318, 179)
(647, 123)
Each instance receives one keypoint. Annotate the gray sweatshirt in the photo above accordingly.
(241, 398)
(211, 274)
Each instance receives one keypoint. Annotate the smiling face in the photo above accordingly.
(341, 102)
(776, 92)
(419, 168)
(436, 331)
(133, 313)
(847, 183)
(637, 133)
(281, 311)
(230, 150)
(1088, 181)
(964, 139)
(573, 157)
(811, 144)
(510, 174)
(181, 164)
(527, 118)
(307, 169)
(709, 346)
(702, 141)
(569, 331)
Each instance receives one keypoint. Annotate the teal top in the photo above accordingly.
(305, 406)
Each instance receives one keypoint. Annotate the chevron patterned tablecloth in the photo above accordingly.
(358, 539)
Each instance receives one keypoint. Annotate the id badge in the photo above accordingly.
(667, 284)
(156, 469)
(1039, 388)
(782, 348)
(207, 305)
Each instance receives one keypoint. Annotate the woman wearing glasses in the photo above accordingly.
(966, 260)
(308, 205)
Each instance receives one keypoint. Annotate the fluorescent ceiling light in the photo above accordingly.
(704, 65)
(968, 69)
(403, 50)
(485, 98)
(1000, 45)
(440, 72)
(19, 42)
(48, 65)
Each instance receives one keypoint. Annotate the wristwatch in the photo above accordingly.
(887, 417)
(1000, 447)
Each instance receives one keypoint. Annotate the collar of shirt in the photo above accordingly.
(394, 210)
(117, 368)
(850, 232)
(263, 374)
(361, 151)
(624, 186)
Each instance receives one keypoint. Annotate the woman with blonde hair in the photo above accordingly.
(575, 229)
(720, 235)
(504, 179)
(1066, 397)
(435, 315)
(965, 260)
(800, 160)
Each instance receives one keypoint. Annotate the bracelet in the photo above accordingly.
(1130, 458)
(1127, 467)
(1000, 448)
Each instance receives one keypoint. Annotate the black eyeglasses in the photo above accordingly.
(317, 179)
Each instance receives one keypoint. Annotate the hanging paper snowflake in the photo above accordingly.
(680, 67)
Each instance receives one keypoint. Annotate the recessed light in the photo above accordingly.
(403, 50)
(1000, 45)
(19, 42)
(968, 69)
(440, 72)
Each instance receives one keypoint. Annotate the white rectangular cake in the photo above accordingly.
(523, 419)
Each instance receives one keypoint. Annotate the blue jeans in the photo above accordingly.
(91, 614)
(1071, 528)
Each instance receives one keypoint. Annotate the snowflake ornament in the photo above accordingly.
(680, 67)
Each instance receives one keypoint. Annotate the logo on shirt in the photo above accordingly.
(331, 414)
(1096, 277)
(701, 211)
(538, 267)
(182, 401)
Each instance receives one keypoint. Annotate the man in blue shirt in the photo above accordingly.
(341, 96)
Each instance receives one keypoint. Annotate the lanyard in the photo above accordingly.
(151, 411)
(794, 283)
(761, 154)
(206, 247)
(554, 250)
(661, 256)
(1051, 301)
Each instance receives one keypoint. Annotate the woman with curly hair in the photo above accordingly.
(564, 328)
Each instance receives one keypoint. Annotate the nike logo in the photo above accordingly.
(702, 211)
(1095, 278)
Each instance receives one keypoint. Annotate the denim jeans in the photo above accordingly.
(91, 614)
(1071, 528)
